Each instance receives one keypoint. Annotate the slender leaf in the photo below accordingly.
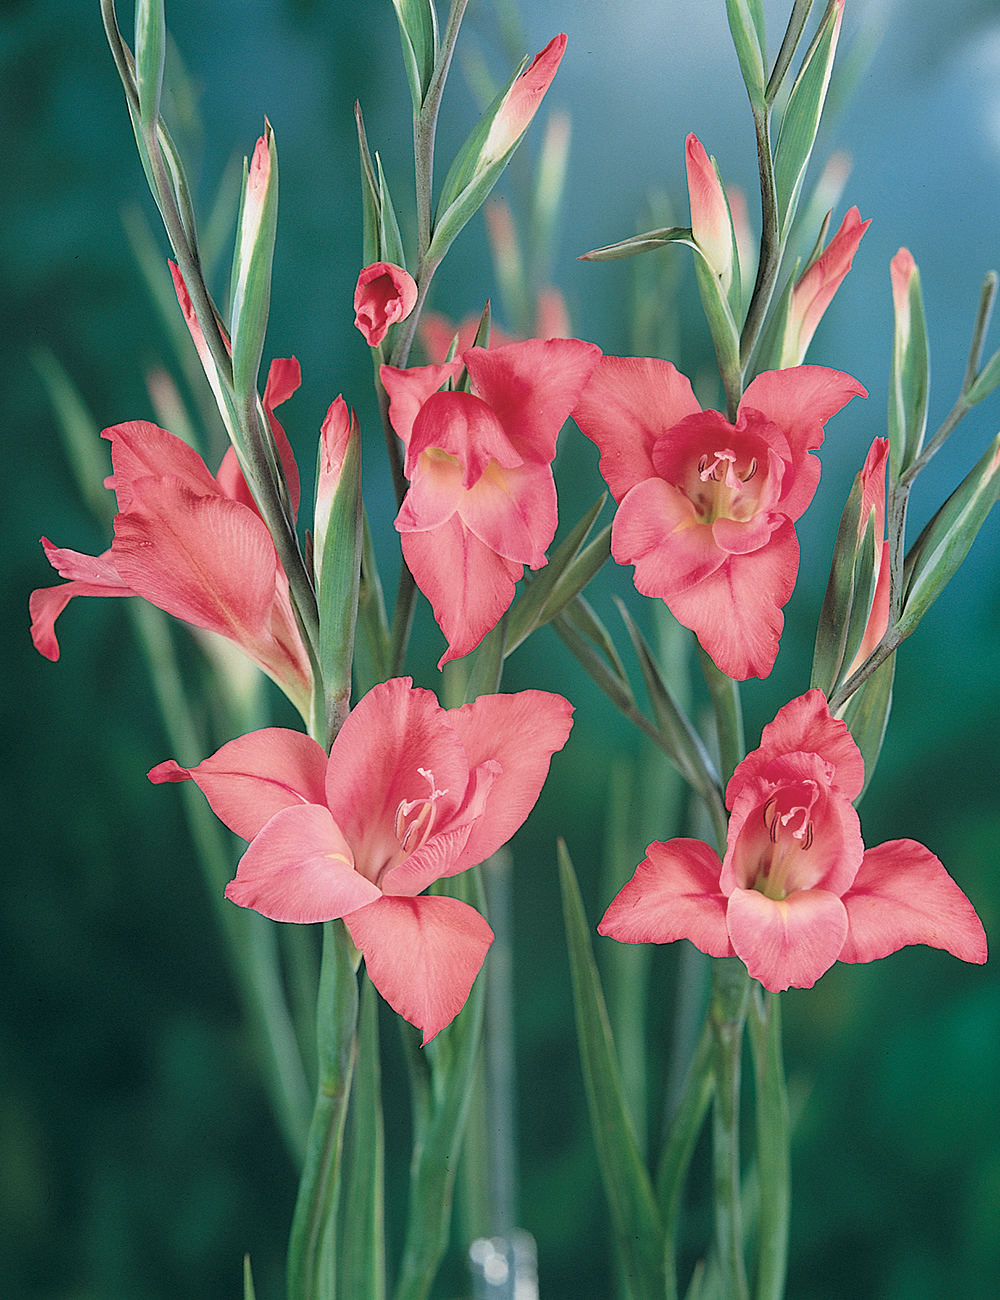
(419, 36)
(867, 715)
(746, 25)
(634, 1214)
(644, 243)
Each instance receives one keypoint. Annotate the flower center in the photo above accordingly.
(787, 820)
(720, 491)
(414, 822)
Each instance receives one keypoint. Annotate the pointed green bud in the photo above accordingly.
(251, 284)
(418, 33)
(909, 381)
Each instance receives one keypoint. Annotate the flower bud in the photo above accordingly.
(816, 287)
(710, 222)
(521, 102)
(384, 295)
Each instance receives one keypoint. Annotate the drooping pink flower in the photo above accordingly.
(410, 793)
(482, 501)
(797, 889)
(710, 221)
(522, 102)
(192, 544)
(706, 509)
(385, 294)
(815, 290)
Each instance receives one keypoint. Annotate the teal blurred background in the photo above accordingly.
(138, 1157)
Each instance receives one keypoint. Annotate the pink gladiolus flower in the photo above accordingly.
(710, 222)
(815, 290)
(797, 889)
(191, 544)
(384, 295)
(521, 105)
(482, 501)
(873, 498)
(706, 509)
(410, 793)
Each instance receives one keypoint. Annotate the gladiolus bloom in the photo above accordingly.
(711, 225)
(482, 501)
(385, 294)
(192, 544)
(815, 290)
(521, 104)
(706, 509)
(797, 889)
(410, 793)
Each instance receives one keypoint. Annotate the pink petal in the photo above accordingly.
(736, 611)
(533, 387)
(205, 559)
(469, 586)
(423, 955)
(522, 101)
(299, 868)
(903, 895)
(520, 733)
(253, 777)
(805, 724)
(385, 293)
(627, 404)
(710, 222)
(375, 765)
(656, 529)
(283, 378)
(409, 389)
(513, 512)
(465, 427)
(434, 494)
(142, 450)
(789, 943)
(674, 894)
(90, 575)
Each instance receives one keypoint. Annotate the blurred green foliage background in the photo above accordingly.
(138, 1157)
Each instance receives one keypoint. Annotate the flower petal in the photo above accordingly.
(423, 955)
(520, 733)
(409, 389)
(805, 724)
(253, 777)
(142, 450)
(513, 512)
(657, 530)
(533, 387)
(674, 894)
(902, 895)
(465, 427)
(299, 868)
(736, 611)
(90, 575)
(469, 586)
(627, 404)
(787, 943)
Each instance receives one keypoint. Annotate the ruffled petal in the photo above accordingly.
(627, 404)
(409, 389)
(674, 894)
(513, 512)
(465, 427)
(519, 733)
(789, 943)
(533, 387)
(253, 777)
(470, 586)
(299, 868)
(805, 724)
(735, 612)
(90, 575)
(657, 530)
(422, 954)
(903, 895)
(143, 450)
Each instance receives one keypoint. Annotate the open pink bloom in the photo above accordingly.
(706, 509)
(797, 890)
(192, 544)
(482, 501)
(815, 290)
(410, 793)
(385, 294)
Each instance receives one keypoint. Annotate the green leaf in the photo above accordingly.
(644, 243)
(371, 199)
(578, 620)
(419, 36)
(360, 1260)
(487, 667)
(390, 240)
(773, 1146)
(570, 568)
(150, 52)
(800, 122)
(338, 573)
(251, 291)
(746, 25)
(248, 1291)
(634, 1214)
(945, 542)
(867, 715)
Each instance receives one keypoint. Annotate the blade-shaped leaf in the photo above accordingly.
(867, 715)
(644, 243)
(419, 37)
(746, 25)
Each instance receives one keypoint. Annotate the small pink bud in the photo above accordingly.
(816, 288)
(336, 432)
(521, 104)
(710, 222)
(385, 294)
(902, 269)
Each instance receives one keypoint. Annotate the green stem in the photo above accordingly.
(793, 34)
(312, 1246)
(727, 1015)
(773, 1140)
(770, 240)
